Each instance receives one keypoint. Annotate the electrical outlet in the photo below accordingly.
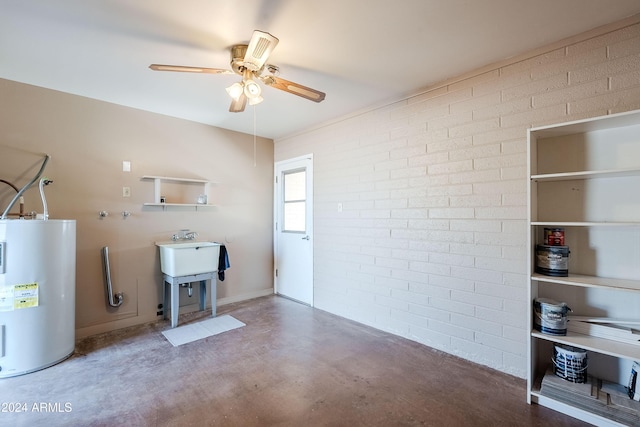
(126, 191)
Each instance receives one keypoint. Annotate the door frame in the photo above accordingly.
(277, 201)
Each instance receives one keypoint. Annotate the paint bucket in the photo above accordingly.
(550, 317)
(554, 236)
(552, 260)
(570, 363)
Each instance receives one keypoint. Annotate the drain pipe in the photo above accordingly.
(107, 277)
(26, 187)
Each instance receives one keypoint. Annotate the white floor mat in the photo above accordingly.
(197, 331)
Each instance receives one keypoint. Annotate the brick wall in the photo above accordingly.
(431, 242)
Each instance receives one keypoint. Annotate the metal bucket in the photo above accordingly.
(552, 260)
(550, 317)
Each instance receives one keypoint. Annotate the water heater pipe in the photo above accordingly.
(26, 187)
(107, 278)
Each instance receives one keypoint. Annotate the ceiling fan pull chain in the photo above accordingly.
(254, 136)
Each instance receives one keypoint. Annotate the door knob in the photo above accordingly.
(306, 238)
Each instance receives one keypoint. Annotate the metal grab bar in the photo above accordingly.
(107, 277)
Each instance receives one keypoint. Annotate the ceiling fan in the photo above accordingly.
(250, 61)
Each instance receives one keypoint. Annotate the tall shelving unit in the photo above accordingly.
(585, 178)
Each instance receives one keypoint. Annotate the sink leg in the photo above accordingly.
(175, 303)
(214, 285)
(203, 295)
(166, 287)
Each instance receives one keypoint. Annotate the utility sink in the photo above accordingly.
(188, 258)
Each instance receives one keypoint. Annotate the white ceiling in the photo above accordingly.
(360, 52)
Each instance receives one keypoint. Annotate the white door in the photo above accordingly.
(293, 229)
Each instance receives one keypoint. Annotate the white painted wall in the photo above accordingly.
(431, 242)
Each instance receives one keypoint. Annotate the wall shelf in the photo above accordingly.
(157, 191)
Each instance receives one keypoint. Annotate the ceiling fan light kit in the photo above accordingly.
(249, 61)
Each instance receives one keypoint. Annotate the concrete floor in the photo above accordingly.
(291, 365)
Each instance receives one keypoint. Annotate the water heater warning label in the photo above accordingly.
(18, 296)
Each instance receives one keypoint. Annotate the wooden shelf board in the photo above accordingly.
(168, 178)
(198, 205)
(598, 345)
(585, 223)
(564, 176)
(590, 281)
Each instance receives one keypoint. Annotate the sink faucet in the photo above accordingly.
(184, 235)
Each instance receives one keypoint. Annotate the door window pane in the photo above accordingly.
(294, 209)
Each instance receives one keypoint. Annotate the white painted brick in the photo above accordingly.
(451, 283)
(428, 246)
(535, 87)
(503, 109)
(430, 290)
(474, 299)
(409, 213)
(504, 133)
(450, 190)
(429, 313)
(625, 48)
(571, 93)
(451, 330)
(430, 268)
(391, 164)
(477, 353)
(392, 263)
(515, 334)
(506, 212)
(451, 213)
(503, 317)
(392, 303)
(475, 225)
(625, 80)
(475, 176)
(429, 224)
(451, 259)
(605, 69)
(475, 249)
(511, 293)
(428, 181)
(475, 324)
(450, 167)
(503, 344)
(475, 103)
(514, 365)
(408, 172)
(476, 274)
(506, 160)
(392, 283)
(501, 264)
(475, 200)
(475, 152)
(498, 239)
(451, 306)
(412, 276)
(536, 117)
(609, 100)
(473, 82)
(514, 199)
(428, 202)
(515, 172)
(516, 146)
(447, 145)
(375, 213)
(429, 338)
(502, 187)
(474, 127)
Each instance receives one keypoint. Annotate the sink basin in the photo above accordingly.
(188, 258)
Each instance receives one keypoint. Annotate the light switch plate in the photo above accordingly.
(126, 166)
(126, 191)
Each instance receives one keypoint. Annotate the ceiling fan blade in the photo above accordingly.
(183, 69)
(237, 106)
(259, 49)
(294, 88)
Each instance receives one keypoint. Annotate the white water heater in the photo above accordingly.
(37, 294)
